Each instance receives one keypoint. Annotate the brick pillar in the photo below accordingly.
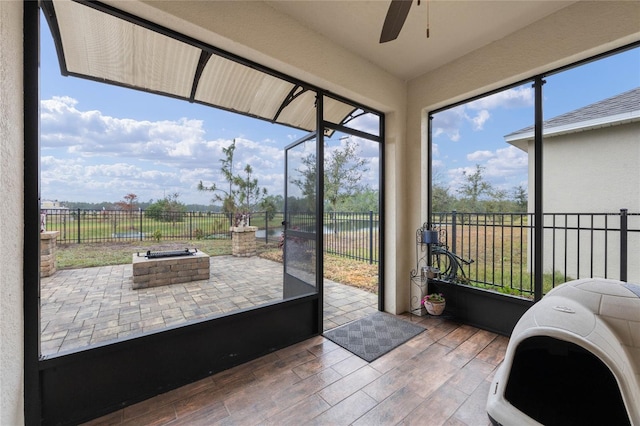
(243, 241)
(48, 244)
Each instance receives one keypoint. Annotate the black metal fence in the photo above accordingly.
(352, 235)
(347, 234)
(576, 245)
(100, 226)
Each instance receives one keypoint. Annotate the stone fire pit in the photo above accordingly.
(164, 268)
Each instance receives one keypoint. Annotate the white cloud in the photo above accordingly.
(90, 133)
(507, 162)
(435, 150)
(481, 117)
(90, 156)
(518, 97)
(479, 156)
(369, 123)
(504, 168)
(449, 122)
(476, 113)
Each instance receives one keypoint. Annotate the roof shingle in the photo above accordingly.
(619, 104)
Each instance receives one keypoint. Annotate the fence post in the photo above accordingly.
(371, 236)
(624, 227)
(78, 226)
(266, 227)
(454, 231)
(140, 214)
(191, 225)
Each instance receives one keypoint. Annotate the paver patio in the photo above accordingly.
(89, 306)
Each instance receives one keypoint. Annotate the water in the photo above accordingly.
(273, 232)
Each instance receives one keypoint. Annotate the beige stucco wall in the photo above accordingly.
(594, 171)
(577, 32)
(599, 170)
(11, 239)
(584, 29)
(275, 40)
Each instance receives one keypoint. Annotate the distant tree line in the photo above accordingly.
(476, 195)
(241, 195)
(143, 205)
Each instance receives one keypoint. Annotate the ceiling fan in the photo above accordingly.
(396, 15)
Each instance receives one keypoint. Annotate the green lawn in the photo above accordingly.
(71, 256)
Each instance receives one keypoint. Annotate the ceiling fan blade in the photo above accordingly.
(396, 15)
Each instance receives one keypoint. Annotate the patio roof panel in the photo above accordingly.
(97, 42)
(237, 87)
(300, 111)
(105, 48)
(336, 111)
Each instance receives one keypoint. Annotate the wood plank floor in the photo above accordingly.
(440, 377)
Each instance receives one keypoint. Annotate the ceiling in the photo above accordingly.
(456, 28)
(106, 44)
(100, 43)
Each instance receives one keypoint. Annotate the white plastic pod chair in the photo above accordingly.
(573, 359)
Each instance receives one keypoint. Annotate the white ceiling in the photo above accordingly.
(457, 27)
(98, 44)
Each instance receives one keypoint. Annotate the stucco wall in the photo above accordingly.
(579, 31)
(599, 170)
(596, 171)
(11, 239)
(277, 41)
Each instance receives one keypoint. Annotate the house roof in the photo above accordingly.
(618, 109)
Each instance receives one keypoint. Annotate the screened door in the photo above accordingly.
(301, 250)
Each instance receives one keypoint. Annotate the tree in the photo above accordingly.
(128, 204)
(272, 204)
(474, 187)
(364, 201)
(343, 173)
(168, 209)
(244, 194)
(520, 197)
(498, 203)
(441, 200)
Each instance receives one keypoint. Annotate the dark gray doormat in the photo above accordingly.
(373, 336)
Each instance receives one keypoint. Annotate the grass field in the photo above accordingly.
(499, 252)
(72, 256)
(119, 226)
(339, 269)
(500, 258)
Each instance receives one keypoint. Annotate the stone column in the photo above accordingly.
(48, 245)
(243, 241)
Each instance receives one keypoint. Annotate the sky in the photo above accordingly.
(473, 134)
(101, 142)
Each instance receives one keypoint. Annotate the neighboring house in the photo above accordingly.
(591, 165)
(49, 206)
